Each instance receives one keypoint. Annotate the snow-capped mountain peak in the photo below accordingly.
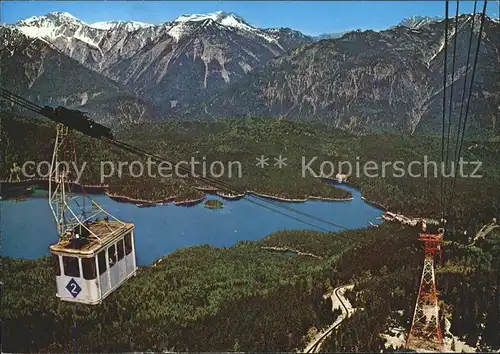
(129, 26)
(55, 24)
(65, 15)
(49, 26)
(227, 19)
(60, 17)
(224, 18)
(416, 22)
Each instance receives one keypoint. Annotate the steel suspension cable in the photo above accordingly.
(20, 100)
(450, 108)
(459, 151)
(218, 183)
(211, 181)
(134, 151)
(445, 76)
(463, 99)
(19, 103)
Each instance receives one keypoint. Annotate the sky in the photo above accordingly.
(309, 17)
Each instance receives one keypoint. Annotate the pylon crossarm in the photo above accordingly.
(105, 212)
(83, 224)
(59, 199)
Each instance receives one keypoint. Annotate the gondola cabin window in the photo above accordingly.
(71, 266)
(57, 265)
(112, 255)
(88, 267)
(101, 259)
(119, 245)
(128, 244)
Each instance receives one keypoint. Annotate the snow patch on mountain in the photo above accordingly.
(417, 22)
(177, 31)
(55, 25)
(47, 26)
(61, 16)
(129, 26)
(225, 19)
(45, 29)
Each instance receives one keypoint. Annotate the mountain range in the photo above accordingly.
(218, 65)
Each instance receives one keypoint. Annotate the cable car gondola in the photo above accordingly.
(95, 253)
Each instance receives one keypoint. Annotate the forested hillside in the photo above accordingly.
(386, 277)
(198, 298)
(249, 299)
(207, 66)
(374, 81)
(286, 115)
(38, 71)
(243, 140)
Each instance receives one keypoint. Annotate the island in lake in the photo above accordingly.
(213, 204)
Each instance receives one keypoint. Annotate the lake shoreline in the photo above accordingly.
(103, 189)
(230, 196)
(187, 234)
(375, 204)
(357, 187)
(124, 199)
(190, 202)
(25, 188)
(290, 200)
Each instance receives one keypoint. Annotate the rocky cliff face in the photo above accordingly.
(39, 72)
(174, 64)
(416, 22)
(371, 81)
(217, 65)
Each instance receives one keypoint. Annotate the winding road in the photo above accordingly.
(337, 298)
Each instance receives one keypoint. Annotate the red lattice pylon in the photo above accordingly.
(425, 327)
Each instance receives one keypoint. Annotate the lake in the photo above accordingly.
(28, 228)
